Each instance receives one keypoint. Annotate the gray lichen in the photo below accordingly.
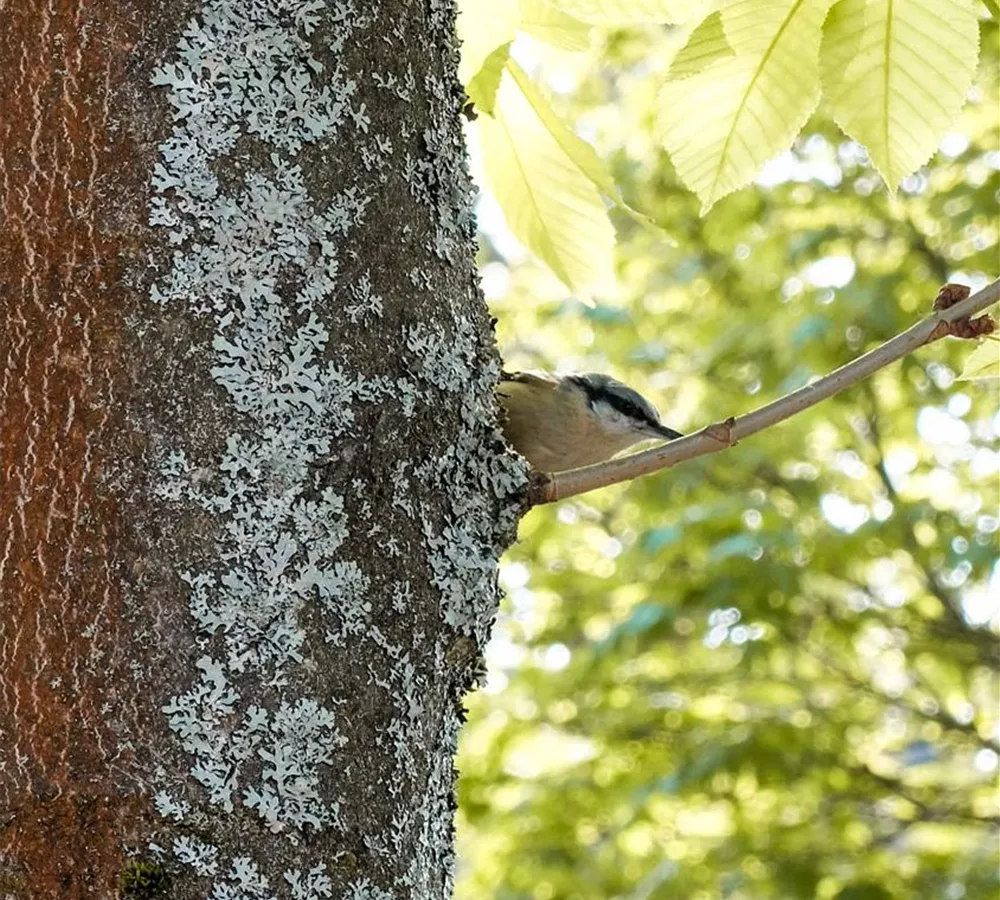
(257, 88)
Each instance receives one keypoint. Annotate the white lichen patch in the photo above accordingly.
(170, 807)
(299, 740)
(243, 881)
(365, 890)
(202, 857)
(311, 885)
(470, 474)
(365, 305)
(258, 256)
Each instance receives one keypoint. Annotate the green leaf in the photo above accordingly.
(632, 12)
(840, 638)
(576, 148)
(482, 89)
(863, 891)
(724, 122)
(549, 203)
(664, 536)
(554, 26)
(983, 362)
(642, 618)
(735, 545)
(896, 75)
(704, 764)
(704, 46)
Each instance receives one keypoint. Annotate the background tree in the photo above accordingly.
(773, 672)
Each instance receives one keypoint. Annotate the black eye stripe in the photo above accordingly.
(607, 394)
(627, 408)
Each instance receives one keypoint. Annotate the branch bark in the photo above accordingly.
(954, 320)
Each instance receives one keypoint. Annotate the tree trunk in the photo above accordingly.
(251, 495)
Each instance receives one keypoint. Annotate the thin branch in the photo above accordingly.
(981, 640)
(955, 320)
(951, 605)
(912, 705)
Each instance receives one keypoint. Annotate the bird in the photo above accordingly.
(560, 422)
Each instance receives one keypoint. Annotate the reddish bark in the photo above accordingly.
(61, 309)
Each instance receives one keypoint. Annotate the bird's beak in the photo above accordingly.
(664, 432)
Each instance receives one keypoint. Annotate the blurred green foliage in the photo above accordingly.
(773, 672)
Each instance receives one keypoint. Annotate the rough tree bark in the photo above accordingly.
(251, 494)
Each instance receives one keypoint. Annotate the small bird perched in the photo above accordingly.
(560, 422)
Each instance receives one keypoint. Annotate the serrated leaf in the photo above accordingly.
(552, 25)
(983, 362)
(483, 26)
(705, 45)
(549, 204)
(482, 89)
(721, 124)
(576, 148)
(633, 12)
(896, 74)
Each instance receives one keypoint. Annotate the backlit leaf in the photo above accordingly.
(478, 41)
(551, 24)
(577, 149)
(896, 75)
(721, 124)
(983, 363)
(482, 90)
(705, 45)
(549, 204)
(631, 12)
